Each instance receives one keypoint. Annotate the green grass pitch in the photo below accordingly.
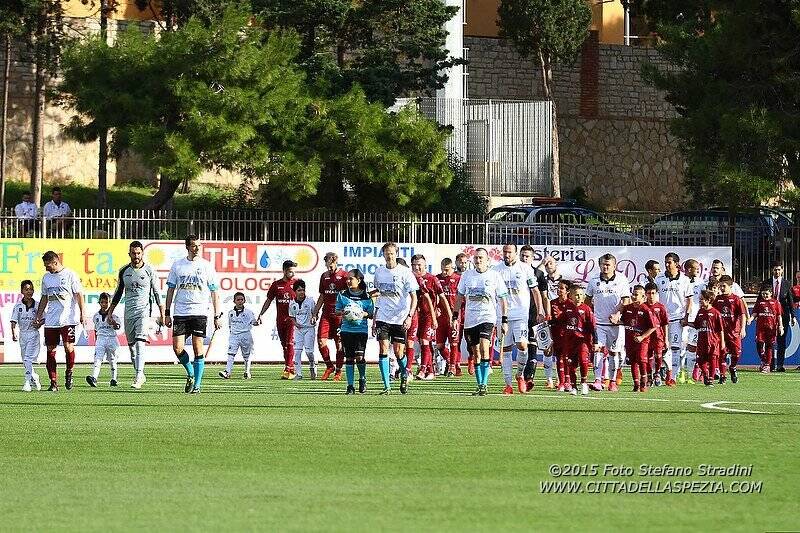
(272, 455)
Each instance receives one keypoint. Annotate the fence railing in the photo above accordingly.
(754, 247)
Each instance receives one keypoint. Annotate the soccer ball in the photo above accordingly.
(353, 313)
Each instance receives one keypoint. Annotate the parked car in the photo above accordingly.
(560, 223)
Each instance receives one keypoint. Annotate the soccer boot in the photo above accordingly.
(195, 390)
(477, 391)
(362, 385)
(224, 374)
(298, 377)
(549, 385)
(187, 388)
(350, 390)
(113, 383)
(522, 387)
(528, 385)
(607, 384)
(573, 391)
(597, 385)
(247, 375)
(643, 389)
(404, 383)
(138, 382)
(285, 374)
(584, 389)
(619, 376)
(508, 390)
(613, 387)
(430, 376)
(385, 392)
(53, 387)
(292, 375)
(91, 381)
(35, 382)
(483, 391)
(26, 387)
(458, 372)
(68, 381)
(696, 374)
(681, 377)
(327, 373)
(337, 376)
(313, 372)
(734, 375)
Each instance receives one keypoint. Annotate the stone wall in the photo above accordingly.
(613, 132)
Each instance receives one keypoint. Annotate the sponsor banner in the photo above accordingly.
(251, 267)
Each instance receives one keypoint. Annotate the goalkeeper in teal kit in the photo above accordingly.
(355, 306)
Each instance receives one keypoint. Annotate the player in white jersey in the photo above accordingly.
(106, 343)
(301, 309)
(482, 288)
(521, 286)
(60, 310)
(552, 278)
(191, 282)
(675, 293)
(608, 293)
(539, 310)
(138, 283)
(397, 302)
(240, 323)
(697, 285)
(23, 316)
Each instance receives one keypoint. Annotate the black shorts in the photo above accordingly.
(193, 325)
(392, 332)
(474, 334)
(354, 344)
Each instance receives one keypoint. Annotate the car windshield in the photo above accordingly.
(507, 215)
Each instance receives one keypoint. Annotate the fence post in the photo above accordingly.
(191, 226)
(118, 228)
(340, 231)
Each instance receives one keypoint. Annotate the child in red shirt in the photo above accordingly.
(768, 315)
(655, 356)
(639, 326)
(733, 314)
(580, 337)
(557, 348)
(710, 337)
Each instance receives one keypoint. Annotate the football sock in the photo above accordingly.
(383, 364)
(547, 364)
(676, 361)
(134, 349)
(426, 358)
(362, 369)
(530, 366)
(402, 362)
(349, 369)
(339, 360)
(70, 360)
(247, 363)
(478, 374)
(113, 363)
(562, 372)
(447, 355)
(199, 365)
(298, 360)
(50, 364)
(507, 363)
(522, 361)
(229, 365)
(96, 367)
(768, 354)
(734, 360)
(140, 356)
(409, 360)
(691, 359)
(184, 360)
(484, 366)
(325, 352)
(584, 369)
(598, 366)
(28, 364)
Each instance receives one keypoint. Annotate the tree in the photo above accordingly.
(390, 48)
(735, 88)
(552, 31)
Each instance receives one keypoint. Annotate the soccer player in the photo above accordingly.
(580, 336)
(139, 284)
(697, 285)
(282, 291)
(191, 282)
(481, 287)
(734, 317)
(355, 306)
(710, 337)
(521, 287)
(105, 341)
(675, 293)
(23, 316)
(462, 262)
(331, 283)
(656, 349)
(301, 310)
(397, 302)
(559, 348)
(60, 310)
(768, 314)
(539, 310)
(448, 279)
(639, 326)
(434, 299)
(607, 293)
(653, 269)
(240, 323)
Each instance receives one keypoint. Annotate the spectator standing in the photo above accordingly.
(782, 292)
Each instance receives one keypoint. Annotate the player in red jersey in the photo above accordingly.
(580, 336)
(431, 295)
(768, 314)
(449, 279)
(710, 337)
(282, 292)
(734, 314)
(655, 356)
(331, 283)
(558, 348)
(639, 326)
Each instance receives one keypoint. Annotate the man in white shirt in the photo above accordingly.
(397, 302)
(60, 310)
(26, 212)
(608, 293)
(57, 212)
(675, 292)
(191, 282)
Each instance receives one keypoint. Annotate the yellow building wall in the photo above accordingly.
(125, 10)
(607, 18)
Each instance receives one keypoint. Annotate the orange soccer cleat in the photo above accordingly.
(508, 390)
(327, 373)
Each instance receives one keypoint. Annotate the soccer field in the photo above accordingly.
(274, 455)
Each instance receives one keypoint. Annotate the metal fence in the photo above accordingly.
(506, 145)
(754, 247)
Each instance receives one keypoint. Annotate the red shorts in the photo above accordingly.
(446, 333)
(425, 329)
(577, 350)
(329, 327)
(733, 345)
(767, 336)
(66, 334)
(637, 353)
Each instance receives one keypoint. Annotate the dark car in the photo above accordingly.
(560, 223)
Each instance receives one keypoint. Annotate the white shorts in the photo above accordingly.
(517, 332)
(243, 341)
(610, 337)
(30, 344)
(691, 336)
(676, 334)
(305, 338)
(106, 348)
